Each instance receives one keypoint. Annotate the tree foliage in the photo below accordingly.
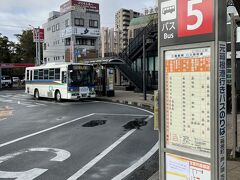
(17, 52)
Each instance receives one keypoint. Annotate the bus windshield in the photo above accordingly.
(81, 77)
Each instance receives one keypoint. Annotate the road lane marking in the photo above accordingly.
(3, 119)
(141, 161)
(45, 130)
(61, 155)
(138, 163)
(133, 115)
(27, 175)
(89, 165)
(127, 106)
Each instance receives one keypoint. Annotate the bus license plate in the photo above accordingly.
(84, 90)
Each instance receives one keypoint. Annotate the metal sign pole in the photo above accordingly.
(0, 78)
(144, 70)
(233, 67)
(36, 43)
(39, 47)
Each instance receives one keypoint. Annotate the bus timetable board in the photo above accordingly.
(187, 100)
(181, 168)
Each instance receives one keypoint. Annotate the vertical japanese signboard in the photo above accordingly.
(38, 35)
(193, 89)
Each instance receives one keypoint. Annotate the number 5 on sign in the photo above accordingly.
(195, 17)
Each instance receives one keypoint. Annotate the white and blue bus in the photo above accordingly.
(60, 81)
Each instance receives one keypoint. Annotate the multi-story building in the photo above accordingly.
(122, 21)
(107, 40)
(72, 34)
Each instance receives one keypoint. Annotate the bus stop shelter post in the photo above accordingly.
(233, 83)
(0, 78)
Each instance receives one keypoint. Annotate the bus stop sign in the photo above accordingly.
(187, 21)
(192, 122)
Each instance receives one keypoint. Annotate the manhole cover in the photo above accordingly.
(136, 124)
(94, 123)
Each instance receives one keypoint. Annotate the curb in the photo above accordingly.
(136, 104)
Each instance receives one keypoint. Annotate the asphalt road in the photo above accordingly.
(72, 140)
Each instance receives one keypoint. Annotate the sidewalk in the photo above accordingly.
(136, 99)
(131, 98)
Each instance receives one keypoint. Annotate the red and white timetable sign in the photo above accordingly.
(186, 21)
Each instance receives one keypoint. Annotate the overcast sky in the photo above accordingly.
(16, 15)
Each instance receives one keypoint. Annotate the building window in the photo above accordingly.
(93, 23)
(53, 28)
(57, 27)
(80, 41)
(67, 41)
(79, 22)
(93, 42)
(67, 22)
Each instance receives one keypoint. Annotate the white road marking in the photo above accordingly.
(100, 156)
(127, 106)
(133, 115)
(61, 155)
(6, 100)
(141, 161)
(3, 119)
(89, 165)
(43, 131)
(26, 175)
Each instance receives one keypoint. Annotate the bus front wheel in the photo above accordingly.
(36, 94)
(58, 96)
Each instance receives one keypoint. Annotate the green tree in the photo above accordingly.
(5, 54)
(25, 50)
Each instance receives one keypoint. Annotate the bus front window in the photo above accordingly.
(80, 78)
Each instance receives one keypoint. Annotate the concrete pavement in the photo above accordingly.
(74, 139)
(136, 99)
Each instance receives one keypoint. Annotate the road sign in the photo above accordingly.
(193, 89)
(186, 21)
(38, 35)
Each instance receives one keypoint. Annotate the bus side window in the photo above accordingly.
(27, 76)
(64, 77)
(31, 75)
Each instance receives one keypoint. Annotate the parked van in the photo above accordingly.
(6, 81)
